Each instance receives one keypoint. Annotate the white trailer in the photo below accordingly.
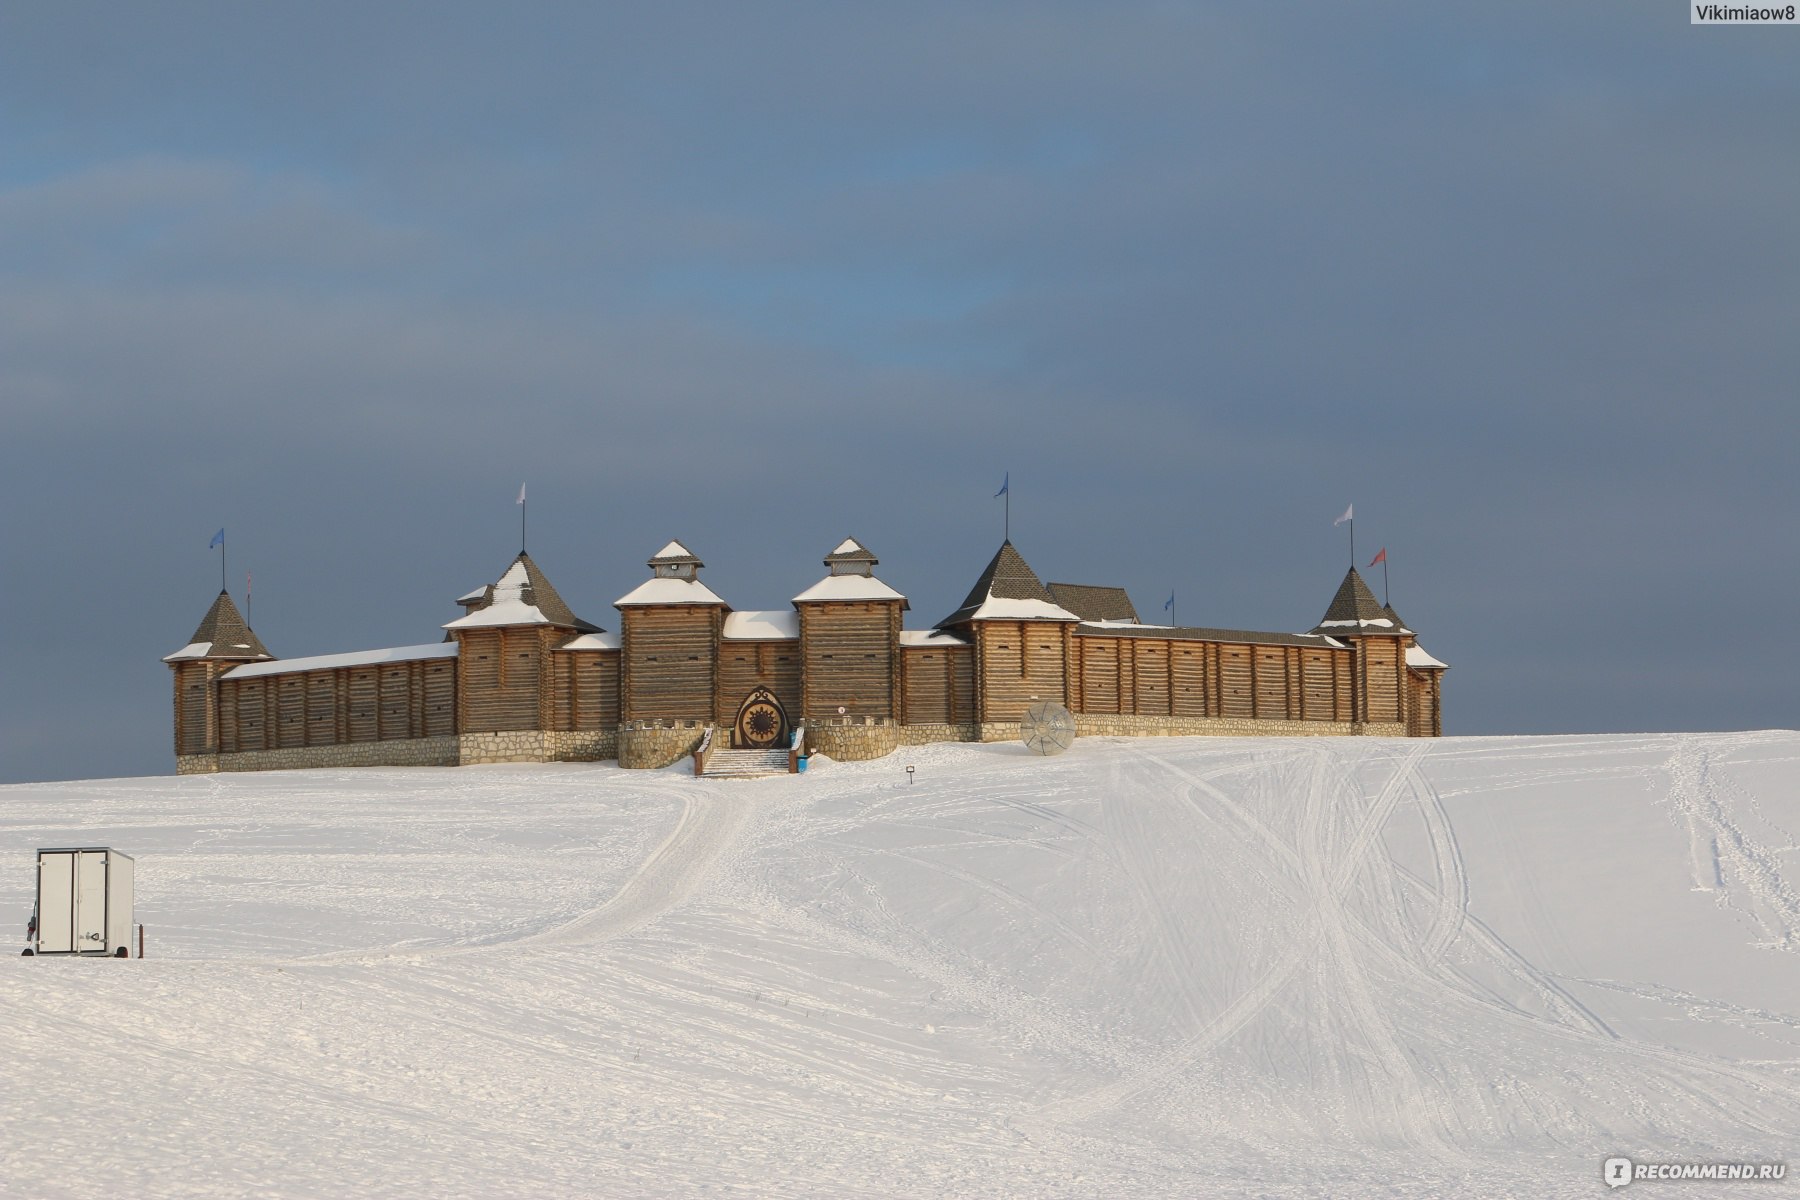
(84, 899)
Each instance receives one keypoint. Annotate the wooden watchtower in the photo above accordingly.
(850, 640)
(223, 640)
(1021, 636)
(505, 679)
(670, 626)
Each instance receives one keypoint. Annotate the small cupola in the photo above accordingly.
(1355, 612)
(851, 558)
(675, 561)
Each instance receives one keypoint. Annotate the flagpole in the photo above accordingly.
(1384, 586)
(1353, 543)
(222, 584)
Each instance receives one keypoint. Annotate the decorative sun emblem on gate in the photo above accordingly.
(762, 722)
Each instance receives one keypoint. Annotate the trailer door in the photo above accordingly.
(90, 902)
(56, 903)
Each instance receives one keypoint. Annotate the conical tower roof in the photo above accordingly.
(1387, 610)
(522, 596)
(1355, 611)
(222, 635)
(1008, 590)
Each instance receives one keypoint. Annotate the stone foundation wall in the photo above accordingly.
(852, 743)
(647, 747)
(922, 735)
(404, 752)
(586, 745)
(1107, 725)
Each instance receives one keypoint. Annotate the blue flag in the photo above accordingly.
(1004, 484)
(218, 539)
(1170, 602)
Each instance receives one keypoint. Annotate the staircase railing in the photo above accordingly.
(703, 751)
(797, 748)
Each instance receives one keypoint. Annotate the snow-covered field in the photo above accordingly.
(1182, 967)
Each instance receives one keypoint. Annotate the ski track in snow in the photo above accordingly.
(1169, 967)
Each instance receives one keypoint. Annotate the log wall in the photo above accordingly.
(669, 664)
(849, 654)
(1018, 664)
(338, 706)
(1161, 677)
(745, 665)
(938, 685)
(585, 690)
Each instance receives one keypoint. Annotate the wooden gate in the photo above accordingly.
(762, 722)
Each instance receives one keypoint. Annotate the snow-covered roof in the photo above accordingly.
(1008, 590)
(675, 552)
(929, 637)
(190, 651)
(522, 596)
(592, 641)
(775, 624)
(471, 597)
(849, 587)
(667, 589)
(848, 546)
(1417, 657)
(1002, 608)
(359, 658)
(1381, 623)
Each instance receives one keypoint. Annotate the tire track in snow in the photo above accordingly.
(1329, 882)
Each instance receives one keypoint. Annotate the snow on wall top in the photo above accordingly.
(592, 641)
(777, 624)
(929, 637)
(358, 658)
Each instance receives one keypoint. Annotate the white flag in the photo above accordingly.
(521, 498)
(1349, 513)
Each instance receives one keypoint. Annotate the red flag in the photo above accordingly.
(1379, 558)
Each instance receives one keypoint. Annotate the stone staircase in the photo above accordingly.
(746, 764)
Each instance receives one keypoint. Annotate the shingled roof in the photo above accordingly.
(1387, 610)
(1092, 603)
(1354, 611)
(1008, 590)
(522, 596)
(851, 551)
(1196, 633)
(673, 553)
(222, 634)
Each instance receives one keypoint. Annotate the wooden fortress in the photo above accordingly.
(520, 678)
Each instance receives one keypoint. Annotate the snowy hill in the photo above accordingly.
(1182, 967)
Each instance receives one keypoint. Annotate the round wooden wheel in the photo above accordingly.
(1047, 728)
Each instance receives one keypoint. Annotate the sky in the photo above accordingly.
(1519, 281)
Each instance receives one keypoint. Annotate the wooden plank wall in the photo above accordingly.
(939, 685)
(379, 702)
(1383, 667)
(847, 651)
(585, 685)
(744, 666)
(194, 730)
(1165, 677)
(502, 679)
(1021, 662)
(669, 667)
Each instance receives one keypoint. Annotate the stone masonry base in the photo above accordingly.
(653, 745)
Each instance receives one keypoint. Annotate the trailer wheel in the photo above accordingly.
(27, 952)
(121, 952)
